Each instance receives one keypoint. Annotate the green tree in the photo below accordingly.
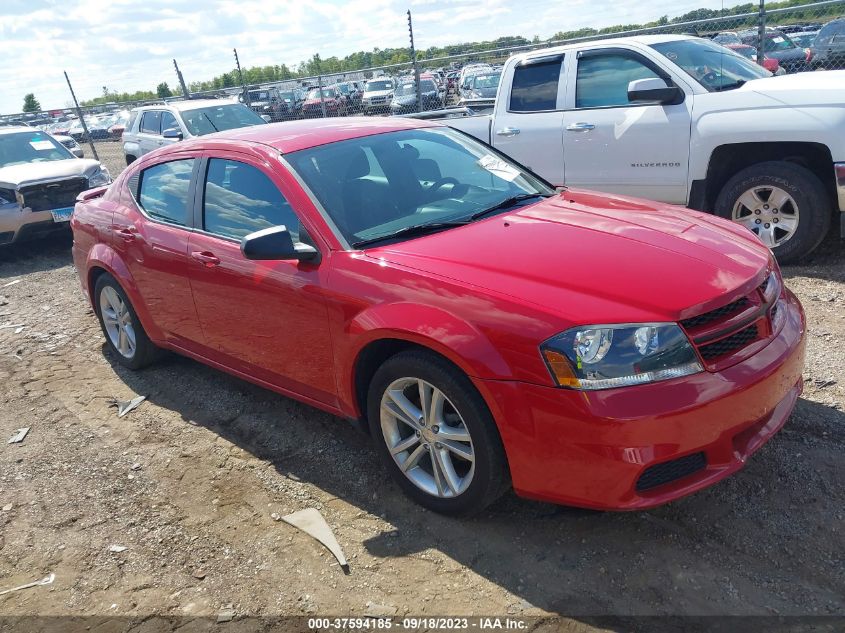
(30, 103)
(163, 90)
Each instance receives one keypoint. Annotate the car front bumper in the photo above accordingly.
(18, 225)
(593, 448)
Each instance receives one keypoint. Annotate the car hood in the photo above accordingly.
(33, 173)
(800, 89)
(595, 258)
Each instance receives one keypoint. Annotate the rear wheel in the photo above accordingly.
(784, 204)
(124, 333)
(436, 435)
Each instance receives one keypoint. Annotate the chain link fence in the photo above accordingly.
(785, 40)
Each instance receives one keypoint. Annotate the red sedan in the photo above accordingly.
(585, 349)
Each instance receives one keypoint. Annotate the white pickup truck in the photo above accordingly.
(681, 120)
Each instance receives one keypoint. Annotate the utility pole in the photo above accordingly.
(320, 88)
(241, 75)
(761, 32)
(414, 62)
(81, 118)
(185, 93)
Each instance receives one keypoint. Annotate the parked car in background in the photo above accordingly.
(749, 52)
(378, 93)
(98, 129)
(329, 100)
(804, 39)
(480, 89)
(71, 144)
(39, 182)
(425, 276)
(151, 127)
(405, 97)
(828, 49)
(681, 120)
(779, 46)
(726, 37)
(352, 95)
(117, 125)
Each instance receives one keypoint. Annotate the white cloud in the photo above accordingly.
(129, 45)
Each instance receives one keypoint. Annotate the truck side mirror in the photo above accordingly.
(654, 89)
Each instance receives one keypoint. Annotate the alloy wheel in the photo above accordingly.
(768, 211)
(427, 437)
(117, 321)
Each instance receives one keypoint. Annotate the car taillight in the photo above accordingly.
(808, 54)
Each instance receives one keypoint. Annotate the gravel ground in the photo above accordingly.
(189, 484)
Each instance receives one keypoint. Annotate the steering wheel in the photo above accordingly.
(437, 184)
(711, 78)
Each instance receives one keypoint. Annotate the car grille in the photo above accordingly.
(53, 195)
(721, 335)
(730, 344)
(667, 472)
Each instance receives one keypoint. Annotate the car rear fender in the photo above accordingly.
(103, 257)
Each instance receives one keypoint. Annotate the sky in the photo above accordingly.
(129, 45)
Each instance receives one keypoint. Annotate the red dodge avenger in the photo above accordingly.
(585, 349)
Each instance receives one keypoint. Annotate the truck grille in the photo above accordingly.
(722, 334)
(53, 195)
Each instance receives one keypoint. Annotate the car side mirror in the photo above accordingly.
(173, 133)
(267, 118)
(276, 243)
(654, 89)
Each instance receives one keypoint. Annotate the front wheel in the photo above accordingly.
(436, 435)
(784, 204)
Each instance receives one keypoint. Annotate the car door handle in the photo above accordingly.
(209, 260)
(126, 233)
(507, 131)
(580, 127)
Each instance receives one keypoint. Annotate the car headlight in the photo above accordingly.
(608, 356)
(99, 178)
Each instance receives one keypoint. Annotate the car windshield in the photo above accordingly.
(259, 95)
(287, 96)
(328, 93)
(379, 85)
(377, 185)
(404, 90)
(712, 65)
(486, 81)
(218, 118)
(18, 148)
(778, 42)
(804, 40)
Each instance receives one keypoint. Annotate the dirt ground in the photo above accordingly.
(189, 484)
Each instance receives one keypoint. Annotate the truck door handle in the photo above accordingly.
(580, 127)
(209, 260)
(507, 131)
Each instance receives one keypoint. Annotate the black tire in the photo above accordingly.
(145, 352)
(814, 207)
(491, 477)
(130, 159)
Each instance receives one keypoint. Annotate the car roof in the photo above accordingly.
(11, 129)
(292, 136)
(187, 104)
(646, 40)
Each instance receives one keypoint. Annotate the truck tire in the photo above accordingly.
(784, 204)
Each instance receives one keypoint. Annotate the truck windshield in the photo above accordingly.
(713, 66)
(486, 81)
(30, 147)
(218, 118)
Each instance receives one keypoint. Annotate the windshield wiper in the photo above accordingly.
(733, 86)
(410, 231)
(506, 203)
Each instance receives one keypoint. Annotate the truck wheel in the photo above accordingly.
(784, 204)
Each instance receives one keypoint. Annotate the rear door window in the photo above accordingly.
(151, 122)
(535, 85)
(164, 191)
